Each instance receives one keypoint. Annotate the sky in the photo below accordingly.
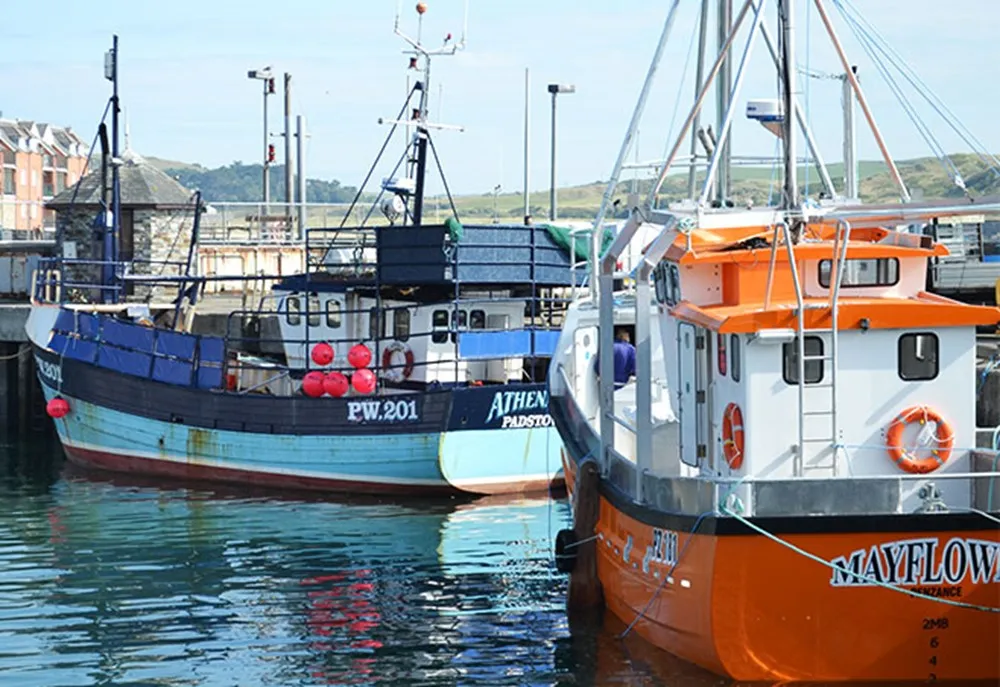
(185, 89)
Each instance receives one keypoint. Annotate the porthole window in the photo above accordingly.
(721, 353)
(814, 368)
(293, 311)
(332, 314)
(439, 322)
(314, 310)
(401, 325)
(477, 319)
(734, 357)
(918, 357)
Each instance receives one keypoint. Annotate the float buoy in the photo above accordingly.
(336, 384)
(363, 381)
(322, 354)
(359, 356)
(57, 407)
(312, 384)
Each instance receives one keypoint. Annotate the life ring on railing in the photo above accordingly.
(943, 436)
(390, 369)
(732, 436)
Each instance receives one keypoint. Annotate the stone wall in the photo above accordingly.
(75, 234)
(158, 236)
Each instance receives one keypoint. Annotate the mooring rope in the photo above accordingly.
(857, 576)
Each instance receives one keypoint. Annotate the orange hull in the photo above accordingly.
(748, 608)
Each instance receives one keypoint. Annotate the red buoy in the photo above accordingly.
(322, 353)
(312, 384)
(363, 381)
(359, 356)
(336, 384)
(57, 407)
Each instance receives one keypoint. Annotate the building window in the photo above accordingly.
(734, 357)
(721, 353)
(401, 325)
(814, 368)
(293, 310)
(439, 321)
(9, 157)
(332, 314)
(863, 272)
(918, 357)
(9, 185)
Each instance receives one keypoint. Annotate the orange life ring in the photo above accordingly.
(394, 373)
(904, 458)
(732, 436)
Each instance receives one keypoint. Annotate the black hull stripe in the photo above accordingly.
(578, 440)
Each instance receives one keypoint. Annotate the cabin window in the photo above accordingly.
(439, 321)
(314, 311)
(376, 325)
(721, 348)
(814, 368)
(863, 272)
(401, 325)
(293, 310)
(667, 283)
(462, 322)
(477, 319)
(660, 282)
(734, 357)
(918, 357)
(332, 314)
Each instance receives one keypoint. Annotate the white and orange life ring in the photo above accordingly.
(390, 368)
(944, 437)
(732, 436)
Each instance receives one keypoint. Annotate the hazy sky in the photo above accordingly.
(184, 64)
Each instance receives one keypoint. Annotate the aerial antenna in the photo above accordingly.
(414, 183)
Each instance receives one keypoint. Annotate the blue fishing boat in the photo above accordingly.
(414, 355)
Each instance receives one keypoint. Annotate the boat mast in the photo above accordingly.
(786, 58)
(419, 115)
(112, 222)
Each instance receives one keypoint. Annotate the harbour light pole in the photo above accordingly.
(555, 89)
(265, 76)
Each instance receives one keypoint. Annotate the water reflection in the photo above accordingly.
(106, 580)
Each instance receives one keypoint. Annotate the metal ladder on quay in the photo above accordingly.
(802, 466)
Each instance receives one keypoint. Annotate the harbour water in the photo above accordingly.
(110, 580)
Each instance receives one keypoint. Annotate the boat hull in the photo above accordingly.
(744, 606)
(124, 424)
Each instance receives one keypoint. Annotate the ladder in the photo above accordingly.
(826, 441)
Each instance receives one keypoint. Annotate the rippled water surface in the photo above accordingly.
(112, 581)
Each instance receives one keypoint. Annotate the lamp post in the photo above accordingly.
(555, 89)
(265, 76)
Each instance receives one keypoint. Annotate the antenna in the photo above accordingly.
(418, 116)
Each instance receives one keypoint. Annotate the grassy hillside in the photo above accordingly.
(925, 178)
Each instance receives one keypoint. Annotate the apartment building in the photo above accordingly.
(39, 160)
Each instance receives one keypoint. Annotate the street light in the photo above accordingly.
(265, 76)
(555, 89)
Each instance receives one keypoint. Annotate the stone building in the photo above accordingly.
(157, 216)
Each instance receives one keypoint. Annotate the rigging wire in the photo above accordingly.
(868, 45)
(936, 103)
(897, 61)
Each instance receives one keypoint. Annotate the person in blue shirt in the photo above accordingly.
(624, 353)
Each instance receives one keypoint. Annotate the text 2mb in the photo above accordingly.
(383, 410)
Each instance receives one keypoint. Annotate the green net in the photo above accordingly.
(563, 237)
(455, 229)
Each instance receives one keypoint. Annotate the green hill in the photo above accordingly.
(925, 178)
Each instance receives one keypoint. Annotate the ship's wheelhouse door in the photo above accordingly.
(691, 363)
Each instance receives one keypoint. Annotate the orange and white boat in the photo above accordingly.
(789, 489)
